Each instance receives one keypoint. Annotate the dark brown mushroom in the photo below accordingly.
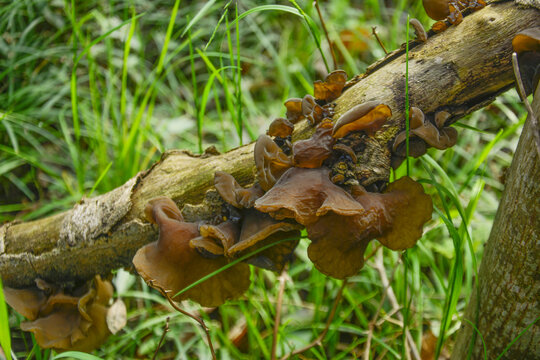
(311, 153)
(449, 10)
(330, 89)
(294, 110)
(258, 230)
(224, 235)
(234, 194)
(368, 117)
(170, 263)
(339, 242)
(63, 319)
(270, 161)
(306, 194)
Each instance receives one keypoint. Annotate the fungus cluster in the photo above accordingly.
(527, 46)
(449, 11)
(62, 318)
(423, 133)
(310, 184)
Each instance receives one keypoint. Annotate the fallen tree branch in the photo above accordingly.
(459, 70)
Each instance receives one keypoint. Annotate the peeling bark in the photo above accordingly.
(459, 70)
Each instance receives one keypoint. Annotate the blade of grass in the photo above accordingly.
(5, 337)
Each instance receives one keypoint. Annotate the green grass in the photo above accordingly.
(93, 92)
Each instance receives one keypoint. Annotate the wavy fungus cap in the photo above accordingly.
(311, 153)
(233, 193)
(306, 194)
(171, 264)
(368, 117)
(74, 320)
(270, 160)
(331, 87)
(395, 218)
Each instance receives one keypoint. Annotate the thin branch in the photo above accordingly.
(521, 91)
(194, 317)
(320, 338)
(279, 305)
(316, 3)
(165, 331)
(374, 32)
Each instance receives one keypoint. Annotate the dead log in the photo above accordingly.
(459, 70)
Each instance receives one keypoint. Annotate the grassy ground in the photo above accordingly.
(92, 92)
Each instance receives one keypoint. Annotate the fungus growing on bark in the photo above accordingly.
(422, 130)
(311, 153)
(368, 117)
(172, 264)
(233, 193)
(330, 89)
(450, 10)
(226, 233)
(527, 46)
(280, 127)
(270, 161)
(294, 110)
(304, 195)
(339, 241)
(258, 230)
(418, 29)
(311, 110)
(63, 319)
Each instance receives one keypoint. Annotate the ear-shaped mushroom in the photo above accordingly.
(311, 153)
(280, 127)
(294, 110)
(425, 130)
(26, 302)
(418, 29)
(233, 193)
(304, 195)
(436, 9)
(74, 321)
(331, 87)
(311, 110)
(339, 242)
(527, 45)
(171, 264)
(259, 230)
(226, 234)
(270, 161)
(368, 117)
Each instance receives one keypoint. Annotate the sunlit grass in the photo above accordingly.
(92, 93)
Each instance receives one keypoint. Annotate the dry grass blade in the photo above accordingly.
(374, 32)
(330, 45)
(182, 311)
(165, 331)
(279, 306)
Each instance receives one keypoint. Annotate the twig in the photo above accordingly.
(165, 331)
(374, 32)
(523, 96)
(279, 305)
(194, 317)
(316, 3)
(319, 339)
(379, 266)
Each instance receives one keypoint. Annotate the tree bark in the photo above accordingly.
(508, 295)
(459, 70)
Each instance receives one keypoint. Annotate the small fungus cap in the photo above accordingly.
(330, 89)
(294, 110)
(306, 194)
(280, 127)
(368, 117)
(170, 263)
(436, 9)
(527, 40)
(311, 153)
(270, 161)
(233, 193)
(311, 110)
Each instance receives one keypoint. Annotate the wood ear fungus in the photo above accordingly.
(368, 117)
